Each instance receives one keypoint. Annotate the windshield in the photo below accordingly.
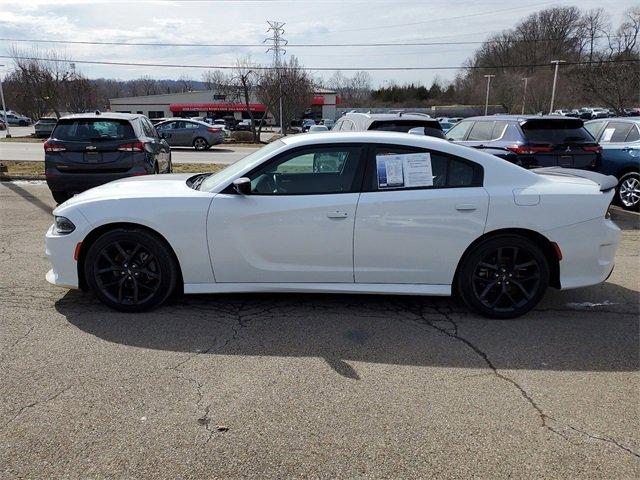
(231, 171)
(86, 129)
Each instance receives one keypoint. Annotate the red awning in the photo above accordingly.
(215, 107)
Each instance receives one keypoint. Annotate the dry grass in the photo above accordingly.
(17, 168)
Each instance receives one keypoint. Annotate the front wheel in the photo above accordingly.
(200, 144)
(504, 277)
(130, 270)
(628, 192)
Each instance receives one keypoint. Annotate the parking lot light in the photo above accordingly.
(555, 79)
(486, 103)
(4, 108)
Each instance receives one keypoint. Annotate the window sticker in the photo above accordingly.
(404, 171)
(608, 133)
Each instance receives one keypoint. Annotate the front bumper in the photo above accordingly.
(60, 250)
(588, 251)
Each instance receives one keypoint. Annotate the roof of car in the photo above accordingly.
(393, 116)
(521, 118)
(103, 115)
(617, 119)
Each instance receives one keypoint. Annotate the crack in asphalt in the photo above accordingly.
(545, 418)
(35, 404)
(205, 420)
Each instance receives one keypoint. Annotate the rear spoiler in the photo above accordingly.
(605, 182)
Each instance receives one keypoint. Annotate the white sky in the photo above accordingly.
(244, 21)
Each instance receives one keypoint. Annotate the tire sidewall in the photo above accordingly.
(155, 245)
(618, 199)
(465, 275)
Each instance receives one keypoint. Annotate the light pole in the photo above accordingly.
(524, 93)
(486, 102)
(4, 108)
(555, 79)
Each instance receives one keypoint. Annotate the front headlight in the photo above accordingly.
(64, 226)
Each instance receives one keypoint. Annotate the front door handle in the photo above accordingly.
(466, 207)
(337, 214)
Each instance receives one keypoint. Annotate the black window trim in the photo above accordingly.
(368, 182)
(356, 184)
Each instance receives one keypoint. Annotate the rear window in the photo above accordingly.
(431, 129)
(93, 130)
(556, 132)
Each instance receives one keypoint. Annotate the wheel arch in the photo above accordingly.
(540, 240)
(94, 234)
(628, 169)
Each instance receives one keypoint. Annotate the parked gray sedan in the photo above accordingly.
(190, 133)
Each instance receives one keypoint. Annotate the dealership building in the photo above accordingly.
(209, 103)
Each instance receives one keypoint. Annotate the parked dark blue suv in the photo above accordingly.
(531, 141)
(90, 149)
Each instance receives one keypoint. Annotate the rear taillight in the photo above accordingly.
(132, 147)
(213, 130)
(527, 149)
(593, 149)
(50, 147)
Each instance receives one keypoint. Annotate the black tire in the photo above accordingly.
(200, 143)
(628, 191)
(503, 277)
(60, 197)
(130, 270)
(22, 123)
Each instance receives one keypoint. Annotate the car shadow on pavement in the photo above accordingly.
(399, 330)
(18, 190)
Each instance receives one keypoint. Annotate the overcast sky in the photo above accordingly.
(244, 21)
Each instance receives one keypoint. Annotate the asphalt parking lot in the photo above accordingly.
(321, 386)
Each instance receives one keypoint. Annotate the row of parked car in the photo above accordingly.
(86, 150)
(590, 113)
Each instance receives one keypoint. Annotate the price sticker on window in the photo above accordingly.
(404, 170)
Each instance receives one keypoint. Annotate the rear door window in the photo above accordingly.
(93, 130)
(482, 130)
(556, 132)
(616, 132)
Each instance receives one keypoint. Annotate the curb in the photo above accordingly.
(6, 178)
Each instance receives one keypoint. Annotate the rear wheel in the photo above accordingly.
(130, 270)
(628, 192)
(60, 197)
(504, 277)
(200, 144)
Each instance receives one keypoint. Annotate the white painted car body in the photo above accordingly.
(395, 242)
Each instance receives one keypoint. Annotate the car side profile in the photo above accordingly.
(89, 149)
(190, 133)
(531, 141)
(620, 141)
(366, 212)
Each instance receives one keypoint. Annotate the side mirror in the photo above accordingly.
(242, 185)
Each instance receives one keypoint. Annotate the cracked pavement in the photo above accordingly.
(323, 386)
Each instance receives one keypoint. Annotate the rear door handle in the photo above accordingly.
(337, 214)
(466, 207)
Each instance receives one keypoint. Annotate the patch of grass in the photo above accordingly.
(29, 139)
(18, 168)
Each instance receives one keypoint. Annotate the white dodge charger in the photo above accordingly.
(371, 212)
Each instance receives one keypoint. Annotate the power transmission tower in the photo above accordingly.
(277, 47)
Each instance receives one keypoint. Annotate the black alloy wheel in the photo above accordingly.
(130, 270)
(504, 277)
